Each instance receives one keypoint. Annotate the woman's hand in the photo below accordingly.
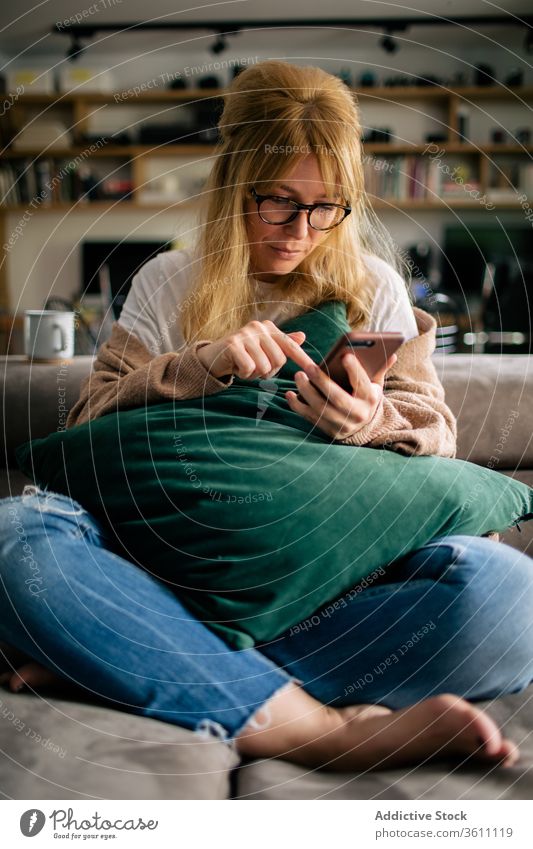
(257, 350)
(339, 414)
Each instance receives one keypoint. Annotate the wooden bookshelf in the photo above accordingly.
(422, 92)
(136, 157)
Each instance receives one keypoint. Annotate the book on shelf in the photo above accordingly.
(412, 177)
(40, 182)
(8, 190)
(48, 181)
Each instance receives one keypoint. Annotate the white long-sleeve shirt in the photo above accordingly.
(152, 312)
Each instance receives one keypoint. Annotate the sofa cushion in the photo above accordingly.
(12, 482)
(58, 749)
(276, 779)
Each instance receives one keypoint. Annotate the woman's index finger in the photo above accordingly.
(293, 350)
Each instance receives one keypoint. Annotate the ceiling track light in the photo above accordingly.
(222, 29)
(76, 48)
(388, 43)
(220, 44)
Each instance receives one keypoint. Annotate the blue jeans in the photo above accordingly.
(454, 616)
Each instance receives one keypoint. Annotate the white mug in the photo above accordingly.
(48, 334)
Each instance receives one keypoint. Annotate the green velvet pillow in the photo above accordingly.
(255, 517)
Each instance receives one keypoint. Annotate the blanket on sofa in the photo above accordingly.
(256, 518)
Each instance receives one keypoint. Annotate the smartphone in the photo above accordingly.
(371, 349)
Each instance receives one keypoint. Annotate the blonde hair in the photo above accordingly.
(301, 110)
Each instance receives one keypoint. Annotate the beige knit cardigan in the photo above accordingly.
(412, 418)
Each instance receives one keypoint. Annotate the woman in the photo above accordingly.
(285, 229)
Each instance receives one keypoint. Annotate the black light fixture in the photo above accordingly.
(221, 29)
(388, 43)
(220, 44)
(76, 48)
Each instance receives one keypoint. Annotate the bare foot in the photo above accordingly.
(294, 726)
(443, 726)
(33, 676)
(361, 737)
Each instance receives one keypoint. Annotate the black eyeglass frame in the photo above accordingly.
(309, 207)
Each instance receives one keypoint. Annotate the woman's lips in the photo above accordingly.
(285, 254)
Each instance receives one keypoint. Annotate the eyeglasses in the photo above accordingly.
(279, 210)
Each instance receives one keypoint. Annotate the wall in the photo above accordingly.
(45, 259)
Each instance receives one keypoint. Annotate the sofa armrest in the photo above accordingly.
(36, 398)
(490, 394)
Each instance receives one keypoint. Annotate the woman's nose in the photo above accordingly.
(299, 226)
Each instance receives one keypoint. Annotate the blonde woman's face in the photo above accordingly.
(277, 249)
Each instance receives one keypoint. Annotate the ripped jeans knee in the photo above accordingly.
(260, 720)
(50, 502)
(40, 511)
(209, 729)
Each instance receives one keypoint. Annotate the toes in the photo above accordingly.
(509, 753)
(489, 742)
(17, 682)
(31, 675)
(470, 722)
(11, 679)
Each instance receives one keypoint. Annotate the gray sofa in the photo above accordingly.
(75, 748)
